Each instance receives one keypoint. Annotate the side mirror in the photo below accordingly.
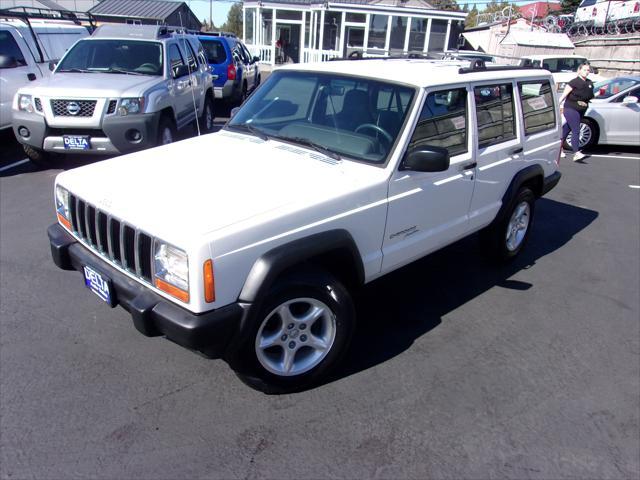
(256, 59)
(234, 111)
(52, 65)
(595, 70)
(7, 61)
(426, 159)
(630, 99)
(180, 71)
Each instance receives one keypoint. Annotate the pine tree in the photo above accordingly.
(569, 6)
(234, 20)
(472, 18)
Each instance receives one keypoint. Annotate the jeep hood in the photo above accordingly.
(188, 189)
(92, 85)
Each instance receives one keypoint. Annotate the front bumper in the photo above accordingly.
(152, 315)
(111, 139)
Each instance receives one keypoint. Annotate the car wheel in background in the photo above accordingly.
(206, 119)
(166, 131)
(588, 135)
(40, 157)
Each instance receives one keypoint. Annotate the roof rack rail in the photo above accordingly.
(359, 55)
(218, 34)
(479, 66)
(33, 13)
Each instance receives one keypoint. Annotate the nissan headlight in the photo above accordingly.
(62, 206)
(171, 270)
(130, 106)
(25, 103)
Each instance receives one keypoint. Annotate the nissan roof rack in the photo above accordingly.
(479, 66)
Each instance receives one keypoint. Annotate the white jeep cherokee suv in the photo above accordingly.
(245, 244)
(125, 88)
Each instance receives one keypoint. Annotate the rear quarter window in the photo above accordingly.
(214, 51)
(536, 98)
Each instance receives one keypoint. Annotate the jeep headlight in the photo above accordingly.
(25, 103)
(171, 270)
(62, 206)
(130, 106)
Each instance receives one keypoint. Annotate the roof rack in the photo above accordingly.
(218, 34)
(480, 66)
(33, 13)
(359, 55)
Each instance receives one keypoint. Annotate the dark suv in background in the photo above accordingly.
(237, 71)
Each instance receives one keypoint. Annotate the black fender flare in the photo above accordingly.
(526, 174)
(272, 263)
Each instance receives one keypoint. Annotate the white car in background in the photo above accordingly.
(563, 67)
(613, 116)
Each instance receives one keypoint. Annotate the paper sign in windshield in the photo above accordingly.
(537, 103)
(458, 122)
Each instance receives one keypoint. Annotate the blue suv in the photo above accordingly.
(237, 71)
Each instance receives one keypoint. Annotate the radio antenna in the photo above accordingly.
(188, 49)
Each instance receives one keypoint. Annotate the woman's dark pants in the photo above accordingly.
(573, 124)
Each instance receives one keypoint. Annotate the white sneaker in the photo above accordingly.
(578, 156)
(562, 154)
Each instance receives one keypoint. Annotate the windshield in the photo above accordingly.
(338, 115)
(114, 56)
(555, 65)
(613, 86)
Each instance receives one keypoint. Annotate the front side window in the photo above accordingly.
(537, 106)
(355, 118)
(443, 122)
(114, 56)
(9, 48)
(175, 57)
(494, 113)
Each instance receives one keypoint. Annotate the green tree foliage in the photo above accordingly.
(472, 18)
(234, 20)
(207, 26)
(451, 5)
(569, 6)
(494, 6)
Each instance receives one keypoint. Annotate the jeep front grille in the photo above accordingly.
(73, 108)
(111, 238)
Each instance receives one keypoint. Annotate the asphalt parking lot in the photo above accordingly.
(459, 369)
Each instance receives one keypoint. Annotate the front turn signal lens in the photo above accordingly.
(209, 282)
(172, 290)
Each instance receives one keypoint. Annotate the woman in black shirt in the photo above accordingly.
(575, 101)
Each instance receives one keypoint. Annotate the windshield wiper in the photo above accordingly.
(309, 143)
(119, 70)
(249, 128)
(75, 70)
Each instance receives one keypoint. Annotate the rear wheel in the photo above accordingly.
(505, 238)
(206, 120)
(298, 336)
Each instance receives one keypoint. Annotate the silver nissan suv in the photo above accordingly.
(125, 88)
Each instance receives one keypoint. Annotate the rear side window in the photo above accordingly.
(9, 48)
(443, 122)
(494, 112)
(537, 106)
(214, 51)
(191, 56)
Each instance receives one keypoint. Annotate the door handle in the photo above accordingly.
(31, 77)
(469, 166)
(516, 151)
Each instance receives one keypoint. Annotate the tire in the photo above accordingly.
(40, 157)
(258, 80)
(505, 238)
(166, 131)
(206, 119)
(242, 95)
(588, 135)
(262, 357)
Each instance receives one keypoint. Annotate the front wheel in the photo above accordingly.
(505, 238)
(166, 131)
(299, 334)
(40, 157)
